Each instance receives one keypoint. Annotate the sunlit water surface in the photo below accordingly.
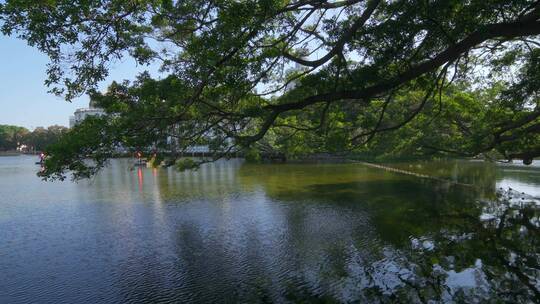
(235, 232)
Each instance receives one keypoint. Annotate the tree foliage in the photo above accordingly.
(367, 67)
(11, 137)
(40, 138)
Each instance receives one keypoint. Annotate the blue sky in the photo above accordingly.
(24, 100)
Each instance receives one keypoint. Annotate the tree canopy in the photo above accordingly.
(13, 137)
(445, 76)
(40, 138)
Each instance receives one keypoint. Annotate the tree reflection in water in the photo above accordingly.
(493, 257)
(435, 243)
(496, 260)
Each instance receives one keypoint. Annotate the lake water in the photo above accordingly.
(235, 232)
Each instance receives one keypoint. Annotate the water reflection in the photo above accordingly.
(233, 232)
(140, 178)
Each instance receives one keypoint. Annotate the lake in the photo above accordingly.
(235, 232)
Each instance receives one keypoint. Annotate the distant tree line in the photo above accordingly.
(14, 137)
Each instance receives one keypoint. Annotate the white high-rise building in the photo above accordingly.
(82, 113)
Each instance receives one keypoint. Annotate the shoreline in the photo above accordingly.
(10, 154)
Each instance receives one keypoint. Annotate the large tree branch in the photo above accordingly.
(347, 36)
(507, 126)
(506, 30)
(526, 26)
(527, 156)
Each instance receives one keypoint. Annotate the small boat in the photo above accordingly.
(41, 161)
(140, 161)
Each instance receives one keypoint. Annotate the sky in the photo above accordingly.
(24, 100)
